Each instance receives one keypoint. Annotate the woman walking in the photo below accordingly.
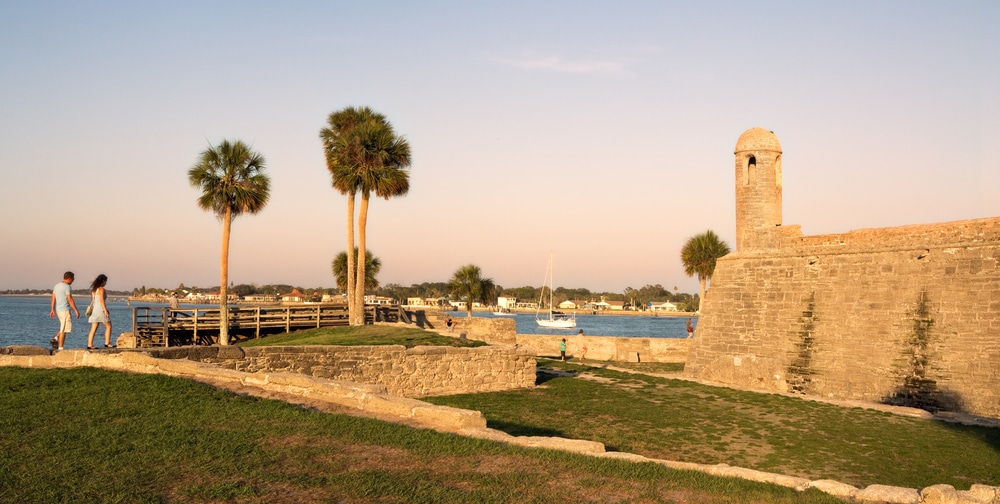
(99, 315)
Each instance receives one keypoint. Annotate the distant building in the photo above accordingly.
(571, 304)
(379, 300)
(506, 302)
(293, 297)
(260, 298)
(665, 306)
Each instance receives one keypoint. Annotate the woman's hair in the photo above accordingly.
(98, 282)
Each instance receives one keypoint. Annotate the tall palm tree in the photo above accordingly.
(372, 266)
(468, 283)
(232, 182)
(699, 255)
(364, 155)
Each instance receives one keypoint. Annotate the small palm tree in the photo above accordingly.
(699, 255)
(232, 182)
(364, 155)
(468, 283)
(372, 266)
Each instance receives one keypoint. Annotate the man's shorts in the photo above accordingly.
(65, 321)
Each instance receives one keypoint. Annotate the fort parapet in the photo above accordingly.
(906, 315)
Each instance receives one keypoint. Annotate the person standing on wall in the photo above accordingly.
(100, 314)
(62, 301)
(583, 345)
(690, 329)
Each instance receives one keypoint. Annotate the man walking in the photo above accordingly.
(62, 301)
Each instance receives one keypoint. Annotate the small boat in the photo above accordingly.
(556, 320)
(503, 312)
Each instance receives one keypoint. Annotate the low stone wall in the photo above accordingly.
(414, 372)
(607, 348)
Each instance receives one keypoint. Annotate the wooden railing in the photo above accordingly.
(160, 326)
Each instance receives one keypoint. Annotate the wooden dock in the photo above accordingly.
(160, 326)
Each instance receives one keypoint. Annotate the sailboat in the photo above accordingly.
(556, 320)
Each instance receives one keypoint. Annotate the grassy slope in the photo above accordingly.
(89, 435)
(680, 420)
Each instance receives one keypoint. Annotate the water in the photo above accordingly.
(632, 326)
(24, 320)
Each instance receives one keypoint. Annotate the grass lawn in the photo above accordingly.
(363, 335)
(90, 435)
(680, 420)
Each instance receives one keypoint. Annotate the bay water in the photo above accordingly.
(629, 326)
(24, 320)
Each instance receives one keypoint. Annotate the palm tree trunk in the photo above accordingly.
(360, 282)
(351, 307)
(227, 223)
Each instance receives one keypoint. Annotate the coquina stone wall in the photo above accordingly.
(414, 372)
(906, 315)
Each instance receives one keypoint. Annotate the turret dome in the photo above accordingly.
(758, 139)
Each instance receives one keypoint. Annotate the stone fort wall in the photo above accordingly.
(906, 315)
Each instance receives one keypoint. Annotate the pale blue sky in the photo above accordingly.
(602, 132)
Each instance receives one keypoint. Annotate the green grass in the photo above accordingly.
(90, 435)
(363, 335)
(642, 367)
(679, 420)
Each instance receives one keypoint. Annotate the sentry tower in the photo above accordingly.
(758, 187)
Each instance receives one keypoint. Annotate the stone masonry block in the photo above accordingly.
(885, 494)
(25, 350)
(386, 405)
(448, 419)
(558, 443)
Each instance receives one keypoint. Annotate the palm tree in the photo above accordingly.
(699, 255)
(232, 182)
(364, 155)
(372, 266)
(468, 283)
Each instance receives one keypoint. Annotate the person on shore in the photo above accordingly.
(583, 348)
(62, 301)
(690, 329)
(562, 350)
(100, 315)
(451, 325)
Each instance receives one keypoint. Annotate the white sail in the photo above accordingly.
(555, 320)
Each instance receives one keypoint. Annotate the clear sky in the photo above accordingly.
(602, 132)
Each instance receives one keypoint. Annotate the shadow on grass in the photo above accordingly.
(523, 430)
(544, 375)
